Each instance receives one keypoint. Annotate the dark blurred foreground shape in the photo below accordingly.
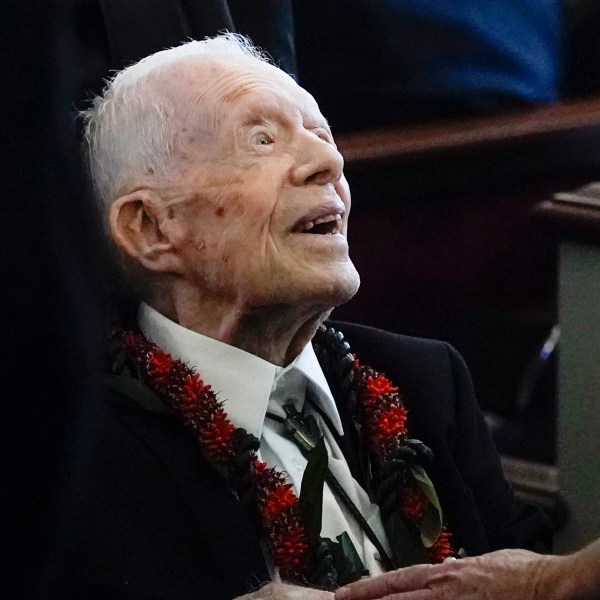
(50, 308)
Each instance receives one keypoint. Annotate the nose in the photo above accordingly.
(319, 162)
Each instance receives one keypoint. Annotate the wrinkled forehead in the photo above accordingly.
(218, 87)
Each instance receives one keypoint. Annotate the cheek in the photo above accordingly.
(241, 214)
(245, 199)
(226, 228)
(227, 237)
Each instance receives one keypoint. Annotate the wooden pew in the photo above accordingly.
(576, 219)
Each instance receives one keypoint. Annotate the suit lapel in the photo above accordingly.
(224, 524)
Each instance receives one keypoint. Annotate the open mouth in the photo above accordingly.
(326, 225)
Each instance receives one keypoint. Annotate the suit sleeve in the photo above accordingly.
(507, 523)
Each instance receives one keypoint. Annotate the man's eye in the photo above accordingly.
(261, 139)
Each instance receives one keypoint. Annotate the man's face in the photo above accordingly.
(263, 207)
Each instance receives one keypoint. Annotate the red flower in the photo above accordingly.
(216, 436)
(380, 385)
(280, 499)
(259, 466)
(413, 501)
(441, 548)
(390, 423)
(159, 365)
(291, 552)
(193, 387)
(266, 479)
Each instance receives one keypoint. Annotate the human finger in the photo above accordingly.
(413, 595)
(402, 580)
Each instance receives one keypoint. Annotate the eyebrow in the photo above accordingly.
(254, 121)
(270, 115)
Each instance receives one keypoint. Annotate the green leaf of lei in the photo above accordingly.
(346, 559)
(431, 523)
(311, 491)
(405, 542)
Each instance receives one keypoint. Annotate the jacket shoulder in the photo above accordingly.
(398, 354)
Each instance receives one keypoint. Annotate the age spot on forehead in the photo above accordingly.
(220, 212)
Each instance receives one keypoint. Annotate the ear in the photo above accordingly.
(135, 228)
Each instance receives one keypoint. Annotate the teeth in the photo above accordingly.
(327, 219)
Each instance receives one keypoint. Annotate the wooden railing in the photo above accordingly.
(396, 142)
(575, 215)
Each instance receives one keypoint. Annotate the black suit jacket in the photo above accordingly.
(155, 523)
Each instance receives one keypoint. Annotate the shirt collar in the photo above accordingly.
(241, 380)
(308, 364)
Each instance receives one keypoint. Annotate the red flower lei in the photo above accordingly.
(383, 416)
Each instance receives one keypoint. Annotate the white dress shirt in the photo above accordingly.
(251, 386)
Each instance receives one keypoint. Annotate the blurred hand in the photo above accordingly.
(502, 575)
(283, 591)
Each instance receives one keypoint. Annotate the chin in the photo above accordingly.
(348, 289)
(320, 289)
(337, 288)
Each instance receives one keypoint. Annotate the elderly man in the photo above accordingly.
(242, 441)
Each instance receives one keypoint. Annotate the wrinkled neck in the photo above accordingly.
(275, 333)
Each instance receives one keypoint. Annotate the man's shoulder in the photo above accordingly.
(431, 374)
(366, 332)
(383, 348)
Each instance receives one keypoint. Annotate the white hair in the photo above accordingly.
(130, 130)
